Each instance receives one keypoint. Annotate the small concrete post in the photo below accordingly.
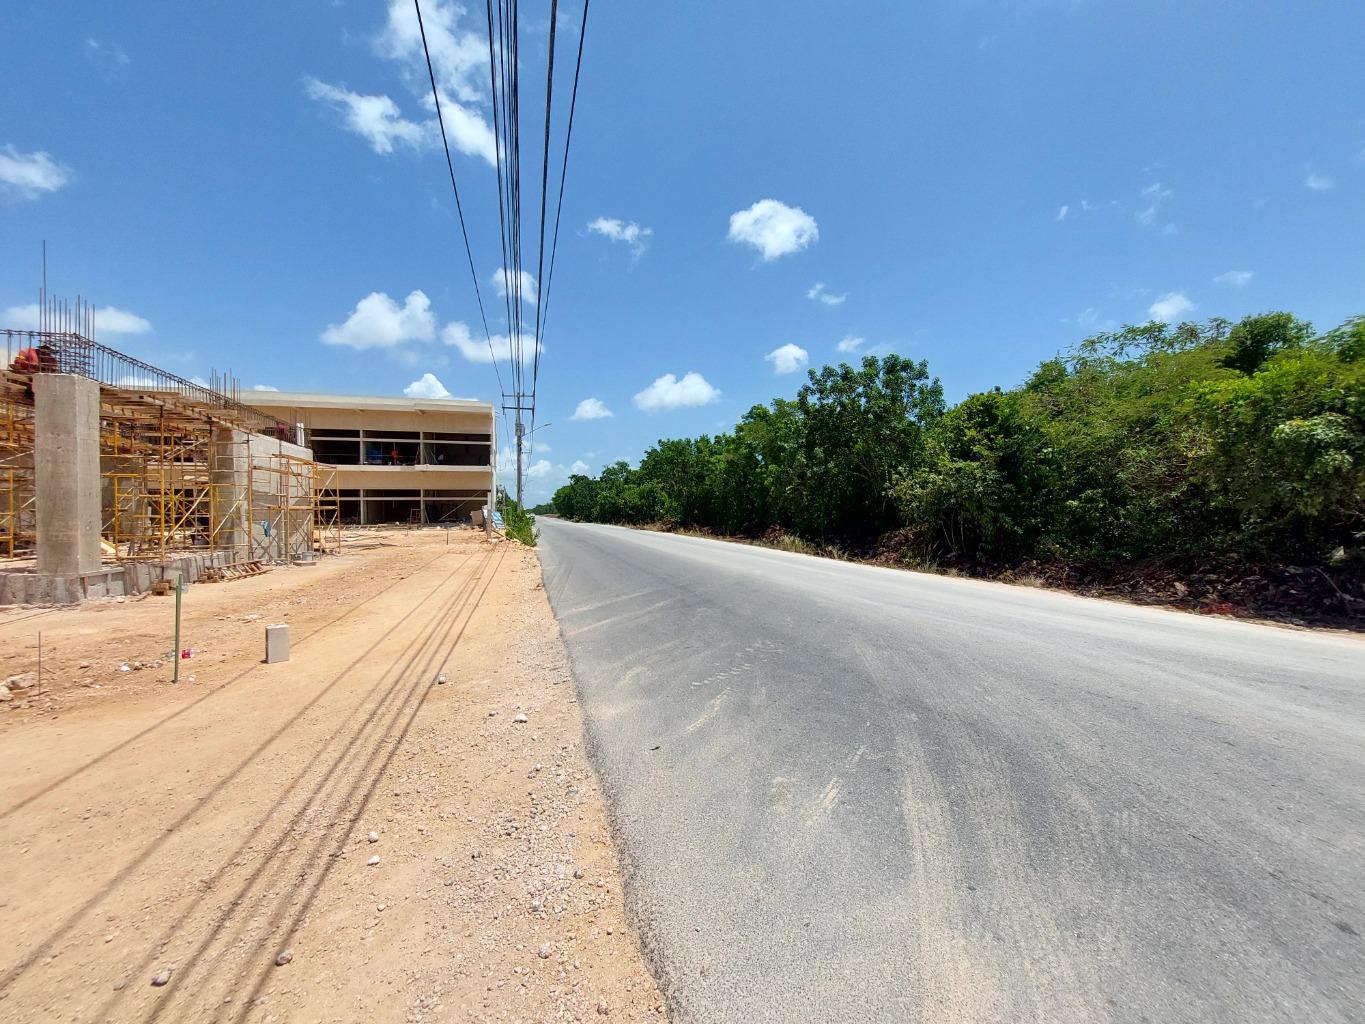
(276, 643)
(66, 460)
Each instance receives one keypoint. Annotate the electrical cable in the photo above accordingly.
(563, 172)
(450, 166)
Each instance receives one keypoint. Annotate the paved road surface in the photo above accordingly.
(856, 794)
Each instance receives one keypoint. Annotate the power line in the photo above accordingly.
(543, 287)
(545, 177)
(498, 120)
(504, 47)
(450, 166)
(564, 168)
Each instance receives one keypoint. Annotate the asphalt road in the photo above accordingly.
(846, 793)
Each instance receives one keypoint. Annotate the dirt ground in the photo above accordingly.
(338, 838)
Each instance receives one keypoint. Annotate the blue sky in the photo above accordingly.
(254, 187)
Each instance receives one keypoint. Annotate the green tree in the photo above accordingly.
(862, 428)
(985, 487)
(1257, 338)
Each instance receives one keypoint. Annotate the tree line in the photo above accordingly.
(1241, 440)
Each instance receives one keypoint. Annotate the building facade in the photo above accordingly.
(396, 460)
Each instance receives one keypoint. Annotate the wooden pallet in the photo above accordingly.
(233, 571)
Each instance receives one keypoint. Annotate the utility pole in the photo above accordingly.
(516, 403)
(521, 434)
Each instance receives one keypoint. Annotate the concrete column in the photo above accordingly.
(228, 465)
(66, 454)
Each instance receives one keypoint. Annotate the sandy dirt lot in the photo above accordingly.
(339, 838)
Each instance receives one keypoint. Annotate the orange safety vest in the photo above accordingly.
(26, 361)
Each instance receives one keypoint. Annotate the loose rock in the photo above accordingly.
(544, 951)
(161, 977)
(284, 957)
(521, 719)
(372, 837)
(372, 861)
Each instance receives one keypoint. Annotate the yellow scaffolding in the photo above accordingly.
(156, 468)
(18, 517)
(326, 510)
(175, 480)
(183, 465)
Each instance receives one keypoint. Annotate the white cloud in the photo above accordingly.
(108, 320)
(466, 130)
(817, 293)
(458, 335)
(426, 386)
(111, 320)
(507, 455)
(1318, 182)
(136, 383)
(1170, 307)
(1061, 214)
(542, 469)
(591, 409)
(109, 58)
(379, 322)
(788, 358)
(774, 228)
(1156, 195)
(377, 119)
(543, 477)
(1234, 278)
(459, 57)
(29, 175)
(265, 387)
(1089, 319)
(632, 234)
(850, 343)
(502, 280)
(670, 392)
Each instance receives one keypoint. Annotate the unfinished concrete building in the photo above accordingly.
(115, 474)
(397, 460)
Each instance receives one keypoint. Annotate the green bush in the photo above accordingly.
(1240, 440)
(518, 524)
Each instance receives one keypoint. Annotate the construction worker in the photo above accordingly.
(25, 362)
(29, 361)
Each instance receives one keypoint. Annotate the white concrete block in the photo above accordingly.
(276, 643)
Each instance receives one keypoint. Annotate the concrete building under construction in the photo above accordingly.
(407, 460)
(115, 474)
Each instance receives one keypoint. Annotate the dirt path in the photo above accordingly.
(211, 828)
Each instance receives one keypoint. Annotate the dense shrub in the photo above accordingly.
(1238, 440)
(518, 524)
